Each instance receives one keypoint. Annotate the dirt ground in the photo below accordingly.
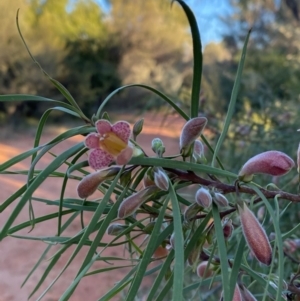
(18, 256)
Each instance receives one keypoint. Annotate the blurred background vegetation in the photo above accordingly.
(93, 48)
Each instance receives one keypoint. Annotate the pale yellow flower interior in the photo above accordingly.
(112, 144)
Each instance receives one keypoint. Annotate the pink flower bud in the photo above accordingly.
(220, 200)
(133, 202)
(161, 180)
(203, 197)
(237, 296)
(160, 252)
(255, 235)
(227, 228)
(190, 132)
(89, 184)
(274, 163)
(203, 270)
(198, 148)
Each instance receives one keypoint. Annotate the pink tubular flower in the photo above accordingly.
(89, 184)
(255, 235)
(134, 201)
(109, 144)
(274, 163)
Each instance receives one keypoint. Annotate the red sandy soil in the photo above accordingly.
(18, 256)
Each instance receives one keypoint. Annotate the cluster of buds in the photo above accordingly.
(111, 144)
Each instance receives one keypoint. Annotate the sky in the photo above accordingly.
(207, 13)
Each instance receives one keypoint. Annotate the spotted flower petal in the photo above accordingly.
(122, 129)
(103, 126)
(92, 140)
(99, 158)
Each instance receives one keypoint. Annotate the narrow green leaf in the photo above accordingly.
(237, 262)
(232, 102)
(119, 286)
(160, 94)
(36, 221)
(159, 279)
(89, 229)
(57, 84)
(19, 158)
(197, 54)
(227, 290)
(148, 252)
(191, 244)
(151, 161)
(179, 247)
(13, 197)
(36, 183)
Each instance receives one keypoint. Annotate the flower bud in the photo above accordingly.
(193, 257)
(198, 152)
(203, 270)
(274, 163)
(237, 296)
(89, 184)
(203, 197)
(255, 235)
(190, 132)
(148, 179)
(261, 213)
(160, 252)
(158, 146)
(137, 128)
(115, 229)
(161, 180)
(133, 202)
(220, 200)
(191, 211)
(149, 227)
(227, 228)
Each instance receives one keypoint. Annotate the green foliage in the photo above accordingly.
(146, 233)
